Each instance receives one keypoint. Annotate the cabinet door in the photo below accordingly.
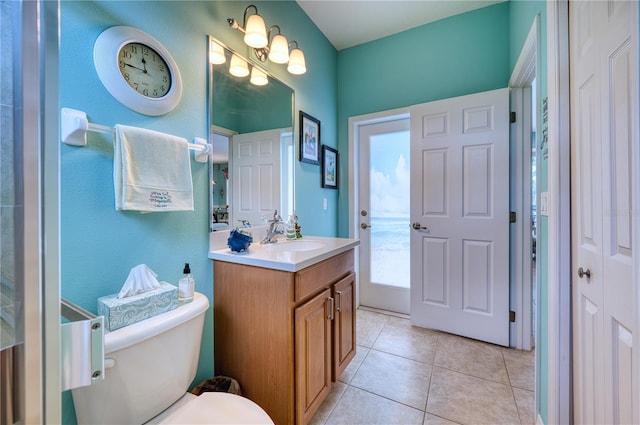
(313, 354)
(344, 324)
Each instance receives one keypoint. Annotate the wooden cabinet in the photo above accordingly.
(285, 336)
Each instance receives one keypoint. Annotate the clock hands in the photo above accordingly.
(143, 69)
(135, 67)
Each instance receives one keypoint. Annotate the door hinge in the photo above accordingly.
(512, 117)
(512, 316)
(512, 216)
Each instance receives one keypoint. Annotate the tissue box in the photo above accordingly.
(120, 312)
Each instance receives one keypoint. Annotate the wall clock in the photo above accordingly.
(137, 70)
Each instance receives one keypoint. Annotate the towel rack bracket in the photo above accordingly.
(73, 127)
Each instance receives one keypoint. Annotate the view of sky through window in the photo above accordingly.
(389, 192)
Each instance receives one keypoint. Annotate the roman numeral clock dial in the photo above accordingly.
(137, 70)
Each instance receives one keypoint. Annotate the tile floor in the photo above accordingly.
(409, 375)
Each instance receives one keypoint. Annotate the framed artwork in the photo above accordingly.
(329, 167)
(309, 139)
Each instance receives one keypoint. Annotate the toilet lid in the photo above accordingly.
(219, 408)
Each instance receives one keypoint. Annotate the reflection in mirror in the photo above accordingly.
(251, 127)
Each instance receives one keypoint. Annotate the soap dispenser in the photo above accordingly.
(186, 286)
(291, 229)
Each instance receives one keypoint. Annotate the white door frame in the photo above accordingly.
(354, 125)
(558, 391)
(525, 70)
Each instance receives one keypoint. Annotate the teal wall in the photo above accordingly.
(463, 54)
(522, 15)
(100, 245)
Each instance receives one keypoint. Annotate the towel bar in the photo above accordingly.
(82, 346)
(74, 126)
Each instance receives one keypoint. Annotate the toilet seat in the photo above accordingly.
(217, 408)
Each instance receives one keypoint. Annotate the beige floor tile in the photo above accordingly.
(430, 419)
(526, 403)
(329, 403)
(368, 327)
(350, 371)
(521, 368)
(399, 337)
(470, 400)
(403, 380)
(391, 379)
(361, 407)
(471, 357)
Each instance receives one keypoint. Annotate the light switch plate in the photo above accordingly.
(324, 204)
(544, 204)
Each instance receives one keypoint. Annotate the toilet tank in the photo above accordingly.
(148, 366)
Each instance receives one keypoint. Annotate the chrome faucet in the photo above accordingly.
(272, 229)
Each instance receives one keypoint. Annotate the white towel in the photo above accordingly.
(151, 171)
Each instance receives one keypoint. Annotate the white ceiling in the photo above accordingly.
(347, 23)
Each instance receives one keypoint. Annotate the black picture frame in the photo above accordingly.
(309, 139)
(329, 167)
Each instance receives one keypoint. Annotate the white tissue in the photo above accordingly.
(141, 279)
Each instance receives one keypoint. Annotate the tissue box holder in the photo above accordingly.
(120, 312)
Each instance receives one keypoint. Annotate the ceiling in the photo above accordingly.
(347, 23)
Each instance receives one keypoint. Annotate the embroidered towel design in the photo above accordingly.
(151, 171)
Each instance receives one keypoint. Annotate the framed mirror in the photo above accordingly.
(251, 123)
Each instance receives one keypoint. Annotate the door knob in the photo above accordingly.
(365, 226)
(582, 273)
(419, 226)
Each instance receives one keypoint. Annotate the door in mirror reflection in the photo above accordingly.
(259, 176)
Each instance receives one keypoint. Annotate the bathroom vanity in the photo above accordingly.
(284, 322)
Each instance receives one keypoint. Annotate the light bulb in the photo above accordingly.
(258, 78)
(238, 67)
(255, 34)
(216, 53)
(297, 64)
(279, 50)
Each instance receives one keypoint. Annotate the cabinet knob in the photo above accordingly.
(339, 297)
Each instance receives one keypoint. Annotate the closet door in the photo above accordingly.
(604, 146)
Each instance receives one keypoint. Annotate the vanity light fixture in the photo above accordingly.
(275, 49)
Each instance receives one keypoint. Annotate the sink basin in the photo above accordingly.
(296, 246)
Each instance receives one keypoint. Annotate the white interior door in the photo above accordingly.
(604, 150)
(384, 215)
(255, 176)
(460, 215)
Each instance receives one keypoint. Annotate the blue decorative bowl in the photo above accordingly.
(239, 242)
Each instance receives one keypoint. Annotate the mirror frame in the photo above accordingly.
(211, 125)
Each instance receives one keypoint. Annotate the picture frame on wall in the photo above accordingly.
(309, 139)
(329, 167)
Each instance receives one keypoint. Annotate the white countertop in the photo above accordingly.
(287, 255)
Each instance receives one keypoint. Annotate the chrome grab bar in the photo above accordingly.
(81, 346)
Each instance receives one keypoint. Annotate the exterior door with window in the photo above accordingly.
(460, 216)
(384, 214)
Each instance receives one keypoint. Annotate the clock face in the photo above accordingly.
(144, 70)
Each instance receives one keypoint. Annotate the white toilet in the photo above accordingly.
(149, 366)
